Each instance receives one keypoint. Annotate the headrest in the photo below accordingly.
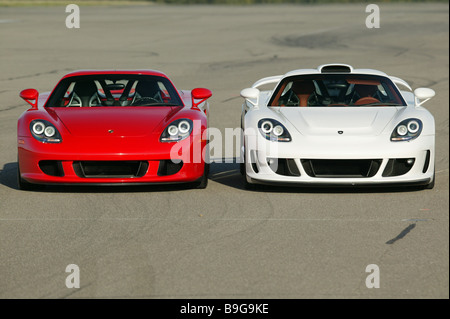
(85, 88)
(303, 87)
(365, 90)
(147, 88)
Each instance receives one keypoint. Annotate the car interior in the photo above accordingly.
(335, 91)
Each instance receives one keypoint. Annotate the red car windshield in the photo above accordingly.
(347, 90)
(114, 90)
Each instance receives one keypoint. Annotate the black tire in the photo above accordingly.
(203, 181)
(24, 185)
(242, 168)
(431, 185)
(247, 185)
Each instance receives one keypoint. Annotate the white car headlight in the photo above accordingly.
(278, 130)
(407, 130)
(273, 130)
(402, 130)
(266, 127)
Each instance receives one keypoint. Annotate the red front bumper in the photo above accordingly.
(69, 154)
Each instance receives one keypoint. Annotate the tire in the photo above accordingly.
(24, 185)
(203, 181)
(431, 185)
(247, 185)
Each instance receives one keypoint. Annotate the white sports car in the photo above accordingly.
(337, 126)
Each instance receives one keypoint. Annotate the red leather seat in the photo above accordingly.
(303, 90)
(365, 93)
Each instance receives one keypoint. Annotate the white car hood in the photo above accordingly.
(352, 121)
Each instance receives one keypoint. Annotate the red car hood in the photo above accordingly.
(113, 121)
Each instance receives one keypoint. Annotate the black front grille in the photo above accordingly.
(110, 169)
(341, 168)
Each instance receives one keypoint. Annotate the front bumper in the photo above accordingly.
(330, 162)
(119, 162)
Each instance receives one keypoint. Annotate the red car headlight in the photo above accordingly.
(177, 130)
(45, 132)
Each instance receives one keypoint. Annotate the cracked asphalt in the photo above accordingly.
(224, 241)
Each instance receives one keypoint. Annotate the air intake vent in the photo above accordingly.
(52, 168)
(336, 69)
(341, 168)
(110, 169)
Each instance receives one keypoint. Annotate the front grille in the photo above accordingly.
(341, 168)
(110, 169)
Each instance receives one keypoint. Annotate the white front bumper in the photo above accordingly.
(259, 151)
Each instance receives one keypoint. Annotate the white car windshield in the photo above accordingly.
(328, 90)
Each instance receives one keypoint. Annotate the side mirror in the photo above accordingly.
(251, 94)
(423, 94)
(201, 94)
(30, 95)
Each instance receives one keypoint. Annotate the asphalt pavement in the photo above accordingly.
(223, 241)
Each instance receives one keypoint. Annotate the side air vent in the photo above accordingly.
(335, 68)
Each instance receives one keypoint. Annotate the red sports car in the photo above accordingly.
(113, 127)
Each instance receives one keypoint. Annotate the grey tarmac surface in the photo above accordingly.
(224, 241)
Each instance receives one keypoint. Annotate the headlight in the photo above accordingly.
(172, 130)
(44, 131)
(273, 130)
(177, 131)
(407, 130)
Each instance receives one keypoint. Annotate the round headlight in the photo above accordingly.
(278, 130)
(38, 128)
(49, 131)
(173, 130)
(402, 130)
(184, 127)
(266, 127)
(413, 127)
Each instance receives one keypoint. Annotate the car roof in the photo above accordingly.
(96, 72)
